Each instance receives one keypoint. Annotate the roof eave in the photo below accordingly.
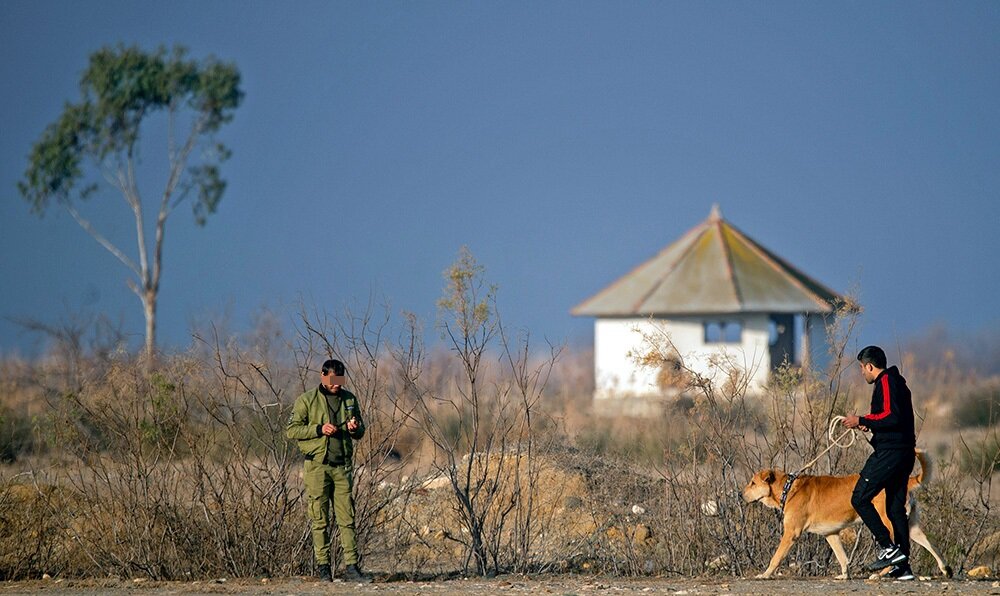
(581, 312)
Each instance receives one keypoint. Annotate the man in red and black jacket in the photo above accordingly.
(894, 441)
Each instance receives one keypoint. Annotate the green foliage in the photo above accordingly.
(162, 422)
(466, 303)
(636, 447)
(119, 89)
(8, 446)
(210, 188)
(981, 457)
(454, 430)
(978, 407)
(17, 435)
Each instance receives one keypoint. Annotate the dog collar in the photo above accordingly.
(784, 491)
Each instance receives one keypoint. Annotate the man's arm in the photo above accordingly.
(888, 418)
(298, 423)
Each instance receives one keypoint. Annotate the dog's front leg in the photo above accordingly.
(838, 550)
(788, 538)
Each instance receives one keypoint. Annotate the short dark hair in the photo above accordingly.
(872, 355)
(336, 366)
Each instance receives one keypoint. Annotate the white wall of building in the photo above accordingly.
(616, 372)
(616, 340)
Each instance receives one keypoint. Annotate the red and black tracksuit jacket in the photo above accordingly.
(891, 418)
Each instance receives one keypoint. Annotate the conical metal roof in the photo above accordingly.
(714, 268)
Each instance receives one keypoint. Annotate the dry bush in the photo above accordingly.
(487, 409)
(181, 473)
(957, 513)
(31, 537)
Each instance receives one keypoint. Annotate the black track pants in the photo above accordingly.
(887, 469)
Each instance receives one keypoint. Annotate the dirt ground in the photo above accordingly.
(561, 585)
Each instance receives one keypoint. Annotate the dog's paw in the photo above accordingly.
(841, 576)
(764, 575)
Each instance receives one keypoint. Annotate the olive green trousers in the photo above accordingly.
(324, 484)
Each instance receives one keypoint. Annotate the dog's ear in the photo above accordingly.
(769, 476)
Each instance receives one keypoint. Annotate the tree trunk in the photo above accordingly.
(149, 309)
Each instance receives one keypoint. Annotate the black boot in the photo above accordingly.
(353, 574)
(324, 573)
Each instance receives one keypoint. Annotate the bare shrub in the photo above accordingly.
(30, 535)
(179, 474)
(956, 511)
(486, 416)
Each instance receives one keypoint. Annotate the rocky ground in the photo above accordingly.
(563, 585)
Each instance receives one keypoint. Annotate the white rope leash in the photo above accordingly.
(834, 423)
(834, 442)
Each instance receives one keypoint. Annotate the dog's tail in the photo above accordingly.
(925, 468)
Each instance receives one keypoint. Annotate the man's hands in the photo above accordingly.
(330, 430)
(852, 421)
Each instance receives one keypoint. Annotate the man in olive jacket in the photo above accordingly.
(325, 422)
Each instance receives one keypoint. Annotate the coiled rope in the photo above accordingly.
(834, 442)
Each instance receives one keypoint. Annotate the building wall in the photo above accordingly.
(617, 375)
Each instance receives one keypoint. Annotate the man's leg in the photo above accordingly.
(318, 489)
(895, 499)
(343, 510)
(872, 480)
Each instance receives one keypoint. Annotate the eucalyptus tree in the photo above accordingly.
(95, 143)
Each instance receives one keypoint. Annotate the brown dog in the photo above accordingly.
(822, 505)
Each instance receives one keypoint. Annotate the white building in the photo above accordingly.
(724, 302)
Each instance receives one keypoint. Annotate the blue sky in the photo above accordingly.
(563, 142)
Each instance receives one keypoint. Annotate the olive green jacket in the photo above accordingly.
(310, 413)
